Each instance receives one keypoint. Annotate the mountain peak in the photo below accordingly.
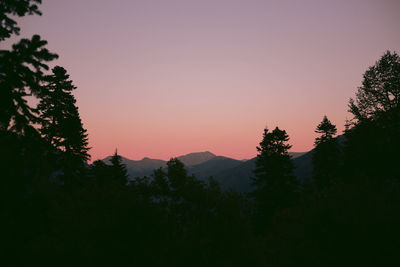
(196, 158)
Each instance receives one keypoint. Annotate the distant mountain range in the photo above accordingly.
(230, 173)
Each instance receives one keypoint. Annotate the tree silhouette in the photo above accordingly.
(100, 173)
(373, 141)
(177, 174)
(274, 182)
(12, 8)
(21, 75)
(380, 90)
(21, 69)
(60, 121)
(327, 131)
(118, 169)
(326, 155)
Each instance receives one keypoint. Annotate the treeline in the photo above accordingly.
(56, 209)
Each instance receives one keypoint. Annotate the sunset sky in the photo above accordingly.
(165, 78)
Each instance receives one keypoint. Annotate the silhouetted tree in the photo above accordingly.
(326, 155)
(100, 173)
(21, 75)
(380, 90)
(327, 131)
(373, 140)
(118, 170)
(60, 121)
(274, 182)
(22, 72)
(11, 8)
(177, 174)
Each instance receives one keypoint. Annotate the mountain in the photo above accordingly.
(230, 173)
(303, 166)
(296, 154)
(140, 168)
(213, 166)
(196, 158)
(146, 166)
(239, 177)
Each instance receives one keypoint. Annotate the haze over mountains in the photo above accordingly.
(230, 173)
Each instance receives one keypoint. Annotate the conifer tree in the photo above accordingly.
(22, 75)
(326, 155)
(327, 131)
(274, 182)
(118, 169)
(11, 8)
(60, 121)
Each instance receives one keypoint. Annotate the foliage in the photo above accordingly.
(327, 131)
(380, 90)
(59, 118)
(373, 141)
(326, 155)
(118, 170)
(22, 75)
(10, 8)
(274, 182)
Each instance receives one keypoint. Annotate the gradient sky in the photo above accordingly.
(165, 78)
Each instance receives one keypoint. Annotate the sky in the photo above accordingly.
(164, 78)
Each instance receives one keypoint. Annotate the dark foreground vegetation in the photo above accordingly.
(56, 210)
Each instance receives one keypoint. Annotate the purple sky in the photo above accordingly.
(164, 78)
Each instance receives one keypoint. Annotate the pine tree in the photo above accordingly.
(327, 131)
(326, 155)
(275, 184)
(8, 25)
(60, 121)
(118, 169)
(22, 75)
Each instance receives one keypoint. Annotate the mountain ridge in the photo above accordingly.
(229, 172)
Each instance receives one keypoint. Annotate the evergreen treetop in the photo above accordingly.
(22, 75)
(118, 169)
(59, 117)
(326, 129)
(12, 8)
(326, 155)
(274, 179)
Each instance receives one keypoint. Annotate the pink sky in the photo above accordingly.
(165, 78)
